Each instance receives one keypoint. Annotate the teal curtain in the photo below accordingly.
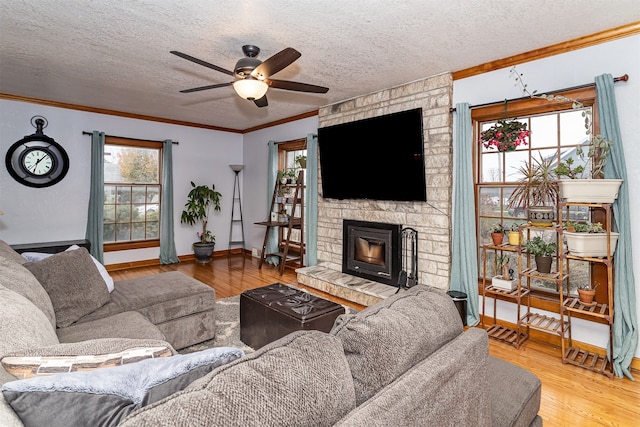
(625, 319)
(464, 251)
(167, 244)
(272, 174)
(312, 199)
(95, 217)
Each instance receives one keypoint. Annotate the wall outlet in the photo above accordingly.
(255, 252)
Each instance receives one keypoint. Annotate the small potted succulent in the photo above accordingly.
(514, 235)
(586, 294)
(542, 252)
(502, 279)
(497, 233)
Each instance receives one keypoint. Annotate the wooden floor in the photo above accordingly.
(571, 396)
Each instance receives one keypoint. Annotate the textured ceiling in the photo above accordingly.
(115, 54)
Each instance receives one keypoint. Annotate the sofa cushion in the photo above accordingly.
(384, 340)
(129, 324)
(106, 396)
(39, 256)
(17, 278)
(73, 283)
(7, 252)
(160, 297)
(301, 379)
(23, 367)
(520, 406)
(22, 324)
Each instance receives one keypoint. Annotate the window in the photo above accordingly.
(288, 152)
(132, 171)
(556, 131)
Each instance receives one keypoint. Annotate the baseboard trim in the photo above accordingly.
(183, 258)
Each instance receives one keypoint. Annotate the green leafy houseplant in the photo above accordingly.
(538, 247)
(587, 227)
(497, 228)
(199, 201)
(301, 161)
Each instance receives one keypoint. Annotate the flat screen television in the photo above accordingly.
(381, 158)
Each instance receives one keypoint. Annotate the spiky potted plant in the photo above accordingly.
(199, 202)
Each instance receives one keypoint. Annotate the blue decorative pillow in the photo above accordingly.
(106, 396)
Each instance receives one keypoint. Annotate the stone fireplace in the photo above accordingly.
(431, 219)
(372, 250)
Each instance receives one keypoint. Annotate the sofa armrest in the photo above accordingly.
(447, 388)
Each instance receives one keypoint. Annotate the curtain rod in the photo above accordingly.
(623, 78)
(84, 132)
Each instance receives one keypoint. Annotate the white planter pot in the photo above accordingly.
(589, 190)
(507, 285)
(590, 244)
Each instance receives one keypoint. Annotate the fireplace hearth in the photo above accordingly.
(372, 250)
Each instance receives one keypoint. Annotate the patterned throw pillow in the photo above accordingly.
(33, 366)
(105, 397)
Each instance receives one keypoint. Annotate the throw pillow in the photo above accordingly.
(35, 366)
(383, 341)
(73, 283)
(302, 379)
(106, 396)
(39, 256)
(6, 251)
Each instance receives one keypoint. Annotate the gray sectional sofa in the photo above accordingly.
(403, 362)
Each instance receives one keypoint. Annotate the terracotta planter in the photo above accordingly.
(497, 238)
(543, 263)
(586, 296)
(589, 190)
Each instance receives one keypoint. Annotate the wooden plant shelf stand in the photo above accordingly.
(513, 294)
(544, 323)
(588, 360)
(598, 310)
(508, 335)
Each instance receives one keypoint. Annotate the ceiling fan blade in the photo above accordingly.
(300, 87)
(262, 102)
(277, 62)
(197, 89)
(201, 62)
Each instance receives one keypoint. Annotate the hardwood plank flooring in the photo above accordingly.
(571, 396)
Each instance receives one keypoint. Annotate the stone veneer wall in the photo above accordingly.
(432, 218)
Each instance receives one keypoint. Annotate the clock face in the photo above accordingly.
(37, 161)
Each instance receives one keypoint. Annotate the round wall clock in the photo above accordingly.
(37, 160)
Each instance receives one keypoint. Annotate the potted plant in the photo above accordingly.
(505, 135)
(586, 294)
(301, 161)
(587, 239)
(537, 191)
(584, 182)
(497, 233)
(502, 279)
(514, 235)
(199, 201)
(542, 252)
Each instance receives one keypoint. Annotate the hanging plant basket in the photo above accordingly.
(505, 135)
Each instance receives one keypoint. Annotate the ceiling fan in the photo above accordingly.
(252, 76)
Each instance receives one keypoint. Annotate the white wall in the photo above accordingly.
(59, 212)
(571, 69)
(256, 197)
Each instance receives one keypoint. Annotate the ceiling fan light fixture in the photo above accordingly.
(250, 88)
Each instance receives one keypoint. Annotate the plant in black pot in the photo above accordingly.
(542, 252)
(199, 201)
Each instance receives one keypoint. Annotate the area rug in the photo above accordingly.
(228, 327)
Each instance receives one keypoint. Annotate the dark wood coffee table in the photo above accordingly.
(276, 310)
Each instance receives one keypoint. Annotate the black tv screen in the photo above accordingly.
(381, 158)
